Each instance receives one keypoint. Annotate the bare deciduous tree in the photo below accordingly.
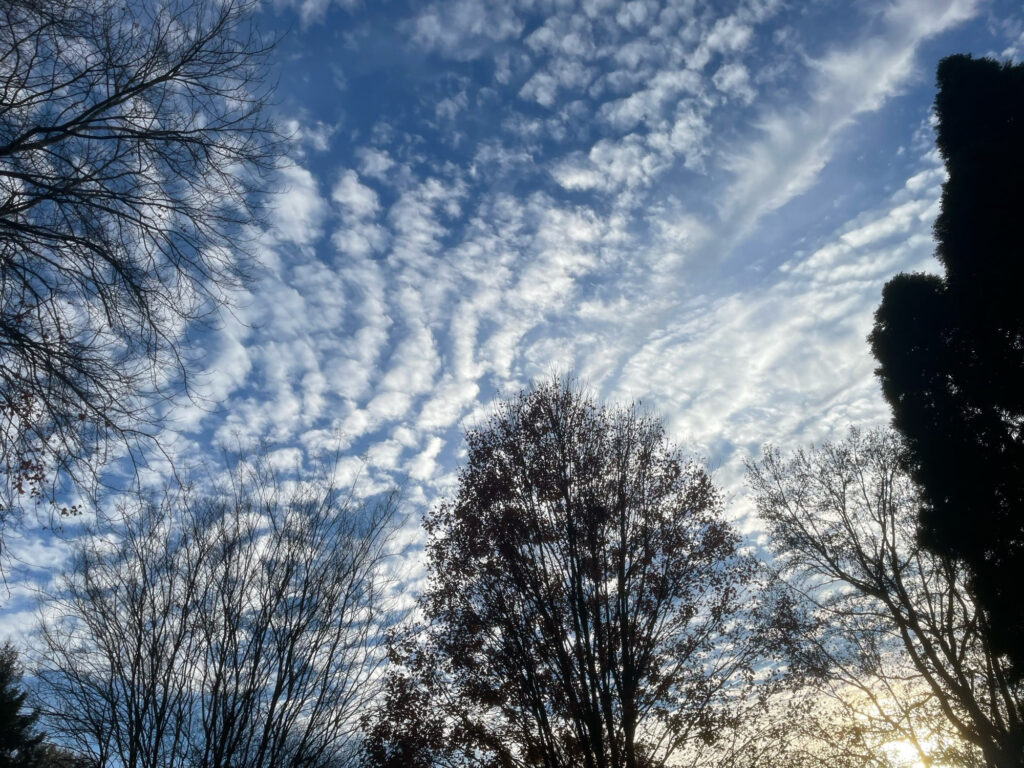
(217, 631)
(901, 651)
(132, 141)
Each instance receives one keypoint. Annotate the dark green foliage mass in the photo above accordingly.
(19, 740)
(951, 347)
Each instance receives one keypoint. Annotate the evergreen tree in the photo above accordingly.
(951, 347)
(20, 742)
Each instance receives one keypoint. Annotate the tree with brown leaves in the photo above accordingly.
(588, 604)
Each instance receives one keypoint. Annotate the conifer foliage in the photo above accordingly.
(20, 742)
(951, 348)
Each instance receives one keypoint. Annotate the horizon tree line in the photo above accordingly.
(587, 603)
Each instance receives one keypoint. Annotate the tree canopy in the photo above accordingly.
(587, 605)
(20, 740)
(951, 348)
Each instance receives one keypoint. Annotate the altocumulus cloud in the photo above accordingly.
(690, 204)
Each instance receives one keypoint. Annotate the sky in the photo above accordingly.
(692, 205)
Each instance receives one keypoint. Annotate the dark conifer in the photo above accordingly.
(951, 348)
(19, 740)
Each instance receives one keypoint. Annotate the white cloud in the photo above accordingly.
(609, 164)
(634, 13)
(787, 362)
(389, 406)
(796, 143)
(298, 210)
(374, 163)
(356, 199)
(648, 104)
(413, 364)
(315, 11)
(542, 88)
(228, 364)
(315, 135)
(443, 286)
(424, 465)
(684, 137)
(463, 29)
(734, 80)
(449, 402)
(384, 454)
(562, 35)
(728, 35)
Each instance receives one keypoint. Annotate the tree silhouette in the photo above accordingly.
(899, 652)
(20, 741)
(230, 629)
(951, 348)
(587, 603)
(132, 141)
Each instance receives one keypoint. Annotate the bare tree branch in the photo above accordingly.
(133, 141)
(241, 630)
(901, 649)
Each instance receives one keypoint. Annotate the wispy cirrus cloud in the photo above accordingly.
(798, 140)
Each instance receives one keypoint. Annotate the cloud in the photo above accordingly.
(448, 403)
(796, 143)
(633, 14)
(315, 11)
(648, 104)
(734, 80)
(443, 285)
(541, 88)
(424, 465)
(463, 29)
(569, 36)
(357, 200)
(224, 368)
(413, 365)
(374, 163)
(298, 209)
(610, 165)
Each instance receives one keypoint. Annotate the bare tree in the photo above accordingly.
(215, 631)
(901, 651)
(587, 605)
(132, 140)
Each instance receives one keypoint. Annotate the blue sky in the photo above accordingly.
(691, 204)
